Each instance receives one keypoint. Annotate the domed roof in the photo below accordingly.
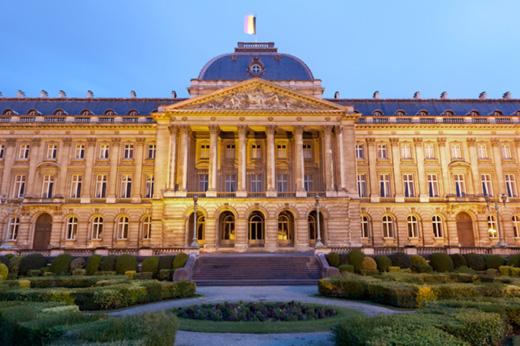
(256, 60)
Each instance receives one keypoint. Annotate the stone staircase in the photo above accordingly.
(256, 269)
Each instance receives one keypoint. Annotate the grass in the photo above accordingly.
(269, 327)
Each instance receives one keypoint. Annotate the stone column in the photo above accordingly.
(349, 152)
(162, 157)
(298, 160)
(63, 159)
(89, 160)
(213, 161)
(444, 157)
(183, 160)
(421, 179)
(339, 148)
(172, 161)
(112, 177)
(242, 150)
(473, 160)
(9, 158)
(372, 161)
(271, 164)
(241, 236)
(138, 175)
(328, 163)
(33, 160)
(497, 160)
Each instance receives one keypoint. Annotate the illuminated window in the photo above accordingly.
(506, 152)
(455, 151)
(482, 151)
(492, 226)
(429, 151)
(382, 152)
(406, 152)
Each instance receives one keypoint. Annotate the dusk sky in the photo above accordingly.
(398, 47)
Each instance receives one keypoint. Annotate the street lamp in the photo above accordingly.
(195, 243)
(3, 202)
(503, 197)
(318, 237)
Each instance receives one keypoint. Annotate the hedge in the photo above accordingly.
(383, 263)
(14, 264)
(93, 263)
(77, 263)
(458, 260)
(126, 263)
(475, 261)
(108, 264)
(401, 260)
(355, 258)
(31, 262)
(61, 264)
(180, 260)
(514, 261)
(150, 264)
(4, 271)
(166, 262)
(333, 259)
(417, 260)
(494, 261)
(441, 262)
(368, 264)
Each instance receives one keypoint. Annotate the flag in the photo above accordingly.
(250, 25)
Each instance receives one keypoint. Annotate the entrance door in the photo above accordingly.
(42, 232)
(285, 229)
(227, 229)
(465, 230)
(256, 229)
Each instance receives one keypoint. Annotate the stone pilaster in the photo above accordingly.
(271, 164)
(242, 150)
(213, 161)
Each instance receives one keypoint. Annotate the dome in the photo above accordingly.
(256, 60)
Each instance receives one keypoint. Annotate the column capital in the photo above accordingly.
(242, 129)
(327, 129)
(418, 140)
(338, 129)
(517, 140)
(174, 129)
(140, 141)
(67, 141)
(495, 141)
(394, 141)
(214, 129)
(11, 142)
(270, 129)
(36, 142)
(91, 141)
(471, 140)
(116, 140)
(184, 129)
(298, 130)
(441, 140)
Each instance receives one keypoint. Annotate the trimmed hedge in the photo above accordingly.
(61, 264)
(475, 261)
(150, 264)
(494, 261)
(401, 260)
(93, 263)
(108, 264)
(417, 260)
(368, 264)
(77, 263)
(166, 262)
(458, 260)
(441, 262)
(383, 263)
(14, 264)
(165, 275)
(346, 268)
(333, 259)
(356, 257)
(514, 261)
(126, 263)
(343, 259)
(31, 262)
(4, 271)
(180, 260)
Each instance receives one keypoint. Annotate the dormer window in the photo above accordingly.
(377, 113)
(59, 112)
(400, 113)
(474, 113)
(497, 113)
(32, 112)
(110, 112)
(86, 112)
(423, 113)
(8, 112)
(133, 112)
(449, 113)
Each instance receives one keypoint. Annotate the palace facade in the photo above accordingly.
(269, 164)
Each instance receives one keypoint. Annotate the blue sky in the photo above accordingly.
(398, 47)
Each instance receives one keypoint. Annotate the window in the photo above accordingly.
(362, 185)
(510, 185)
(285, 226)
(413, 227)
(256, 151)
(256, 183)
(281, 151)
(365, 227)
(52, 150)
(230, 151)
(482, 151)
(384, 183)
(101, 186)
(486, 184)
(307, 151)
(13, 228)
(147, 227)
(204, 151)
(381, 152)
(24, 151)
(103, 151)
(506, 152)
(149, 186)
(408, 185)
(460, 187)
(203, 182)
(230, 183)
(281, 182)
(79, 153)
(75, 186)
(2, 148)
(433, 186)
(429, 151)
(48, 183)
(126, 186)
(360, 152)
(307, 182)
(455, 151)
(19, 186)
(97, 228)
(72, 228)
(437, 226)
(128, 152)
(516, 226)
(388, 227)
(122, 228)
(492, 226)
(151, 151)
(406, 152)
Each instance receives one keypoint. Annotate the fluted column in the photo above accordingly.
(112, 177)
(372, 161)
(473, 160)
(33, 160)
(242, 150)
(298, 160)
(213, 161)
(444, 157)
(421, 179)
(271, 164)
(9, 157)
(63, 159)
(138, 175)
(338, 130)
(328, 162)
(497, 158)
(183, 160)
(396, 161)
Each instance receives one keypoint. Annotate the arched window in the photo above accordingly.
(201, 225)
(285, 226)
(8, 112)
(313, 226)
(400, 113)
(256, 226)
(147, 227)
(13, 228)
(516, 225)
(497, 113)
(437, 226)
(388, 226)
(474, 113)
(365, 227)
(59, 112)
(86, 112)
(227, 226)
(72, 228)
(133, 112)
(492, 226)
(449, 113)
(122, 228)
(33, 112)
(109, 112)
(413, 226)
(97, 228)
(423, 112)
(377, 113)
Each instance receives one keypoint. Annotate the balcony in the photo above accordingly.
(453, 120)
(226, 194)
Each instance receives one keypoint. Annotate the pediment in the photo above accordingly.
(254, 95)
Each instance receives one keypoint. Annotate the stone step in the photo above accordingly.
(265, 282)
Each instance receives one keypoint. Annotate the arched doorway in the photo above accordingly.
(42, 232)
(256, 229)
(285, 229)
(465, 230)
(201, 223)
(226, 228)
(313, 226)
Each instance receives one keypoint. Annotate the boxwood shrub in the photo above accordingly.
(343, 259)
(151, 265)
(494, 261)
(514, 261)
(14, 264)
(180, 260)
(417, 260)
(4, 271)
(31, 262)
(93, 263)
(356, 257)
(424, 268)
(108, 264)
(369, 264)
(383, 263)
(346, 268)
(475, 261)
(61, 264)
(441, 262)
(77, 263)
(401, 260)
(166, 262)
(458, 260)
(333, 259)
(126, 263)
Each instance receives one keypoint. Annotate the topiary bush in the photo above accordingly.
(165, 275)
(441, 262)
(126, 263)
(333, 259)
(31, 262)
(424, 268)
(475, 261)
(514, 261)
(150, 265)
(4, 271)
(93, 263)
(494, 261)
(401, 260)
(14, 264)
(180, 260)
(166, 262)
(346, 268)
(417, 260)
(61, 264)
(343, 259)
(78, 263)
(356, 257)
(458, 260)
(369, 264)
(108, 264)
(34, 273)
(383, 263)
(4, 260)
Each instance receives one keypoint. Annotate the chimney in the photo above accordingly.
(90, 94)
(133, 95)
(44, 94)
(20, 94)
(174, 94)
(336, 95)
(376, 95)
(62, 94)
(417, 95)
(507, 95)
(482, 96)
(444, 95)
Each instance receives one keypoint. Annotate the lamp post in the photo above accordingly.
(503, 197)
(318, 237)
(4, 201)
(195, 243)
